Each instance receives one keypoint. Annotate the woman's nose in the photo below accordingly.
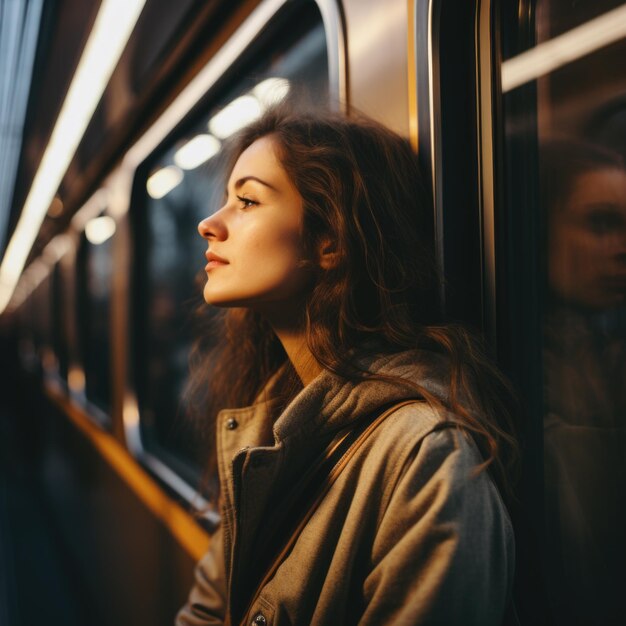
(211, 227)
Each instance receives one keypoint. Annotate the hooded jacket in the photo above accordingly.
(410, 533)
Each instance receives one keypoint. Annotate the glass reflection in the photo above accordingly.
(94, 298)
(584, 196)
(565, 148)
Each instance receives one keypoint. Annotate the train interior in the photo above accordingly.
(113, 116)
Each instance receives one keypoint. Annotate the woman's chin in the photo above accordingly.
(221, 299)
(210, 297)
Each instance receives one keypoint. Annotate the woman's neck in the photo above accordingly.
(295, 345)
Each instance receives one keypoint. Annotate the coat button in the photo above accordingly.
(231, 424)
(259, 620)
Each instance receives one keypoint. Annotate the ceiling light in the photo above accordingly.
(571, 45)
(271, 91)
(235, 115)
(163, 181)
(108, 38)
(56, 248)
(99, 229)
(196, 151)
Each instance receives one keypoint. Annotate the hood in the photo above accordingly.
(329, 403)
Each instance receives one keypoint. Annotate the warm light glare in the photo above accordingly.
(56, 207)
(271, 91)
(234, 116)
(112, 28)
(99, 229)
(196, 151)
(163, 181)
(76, 379)
(563, 49)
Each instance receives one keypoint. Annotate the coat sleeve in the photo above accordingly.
(444, 550)
(206, 604)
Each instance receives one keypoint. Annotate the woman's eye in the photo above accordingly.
(603, 222)
(247, 203)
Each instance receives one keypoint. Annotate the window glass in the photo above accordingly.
(27, 349)
(183, 186)
(95, 266)
(59, 334)
(41, 298)
(565, 176)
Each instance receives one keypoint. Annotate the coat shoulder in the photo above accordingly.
(417, 443)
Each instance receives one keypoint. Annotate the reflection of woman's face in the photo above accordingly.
(587, 246)
(256, 236)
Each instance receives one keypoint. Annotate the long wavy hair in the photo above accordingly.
(363, 189)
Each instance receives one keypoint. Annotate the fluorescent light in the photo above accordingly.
(574, 44)
(94, 207)
(213, 71)
(249, 107)
(235, 115)
(163, 181)
(99, 229)
(108, 38)
(35, 273)
(29, 281)
(271, 91)
(56, 248)
(196, 151)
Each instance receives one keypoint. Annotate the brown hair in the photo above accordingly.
(362, 187)
(562, 161)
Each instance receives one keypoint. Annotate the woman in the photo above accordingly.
(322, 257)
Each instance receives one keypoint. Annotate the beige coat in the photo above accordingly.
(407, 535)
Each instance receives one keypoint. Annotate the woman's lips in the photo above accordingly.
(213, 264)
(214, 261)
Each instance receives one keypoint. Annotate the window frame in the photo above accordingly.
(442, 54)
(82, 303)
(125, 184)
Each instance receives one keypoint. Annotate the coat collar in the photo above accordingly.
(330, 403)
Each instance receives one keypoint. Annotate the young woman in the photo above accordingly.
(363, 467)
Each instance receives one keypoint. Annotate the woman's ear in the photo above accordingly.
(328, 254)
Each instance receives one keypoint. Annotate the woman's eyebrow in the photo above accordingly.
(244, 179)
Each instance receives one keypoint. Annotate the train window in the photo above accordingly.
(27, 345)
(180, 186)
(41, 300)
(94, 284)
(563, 248)
(58, 304)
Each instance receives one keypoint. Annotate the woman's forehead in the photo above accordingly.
(259, 162)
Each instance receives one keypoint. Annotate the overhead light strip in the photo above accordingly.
(112, 28)
(570, 46)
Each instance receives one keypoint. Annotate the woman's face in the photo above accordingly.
(587, 259)
(255, 241)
